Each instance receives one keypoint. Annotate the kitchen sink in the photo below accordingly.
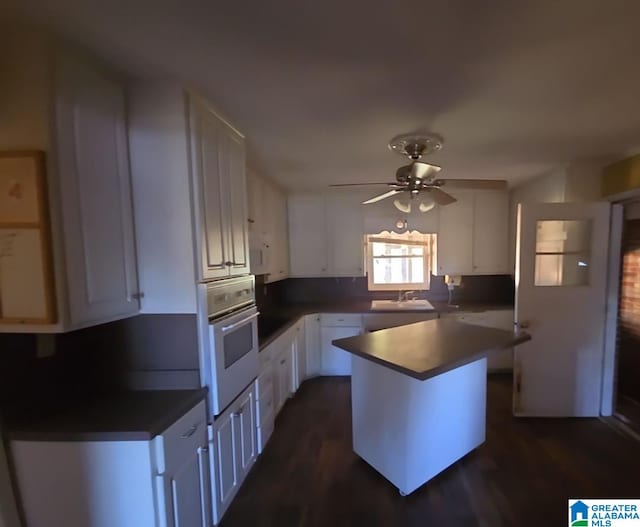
(404, 305)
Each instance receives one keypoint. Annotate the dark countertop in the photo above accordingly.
(280, 320)
(426, 349)
(123, 416)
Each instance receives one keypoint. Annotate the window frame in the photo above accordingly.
(428, 257)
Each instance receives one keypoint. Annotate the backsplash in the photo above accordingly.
(94, 359)
(490, 289)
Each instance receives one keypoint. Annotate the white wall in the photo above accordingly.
(25, 78)
(573, 183)
(547, 188)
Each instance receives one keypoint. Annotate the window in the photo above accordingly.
(563, 252)
(400, 261)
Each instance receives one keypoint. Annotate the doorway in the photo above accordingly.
(627, 405)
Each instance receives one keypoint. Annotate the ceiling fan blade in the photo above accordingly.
(359, 184)
(488, 184)
(441, 197)
(424, 171)
(381, 197)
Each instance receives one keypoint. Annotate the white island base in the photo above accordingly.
(411, 430)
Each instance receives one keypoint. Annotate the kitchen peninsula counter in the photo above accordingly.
(120, 416)
(418, 395)
(426, 349)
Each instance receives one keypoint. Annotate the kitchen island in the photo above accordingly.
(418, 395)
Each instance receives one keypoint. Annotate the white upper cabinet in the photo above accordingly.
(491, 233)
(220, 188)
(326, 234)
(76, 115)
(308, 242)
(473, 234)
(189, 188)
(95, 193)
(345, 231)
(455, 236)
(268, 231)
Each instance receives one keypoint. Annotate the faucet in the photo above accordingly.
(403, 296)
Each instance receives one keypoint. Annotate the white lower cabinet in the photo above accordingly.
(498, 319)
(283, 375)
(312, 344)
(163, 482)
(333, 360)
(232, 440)
(299, 355)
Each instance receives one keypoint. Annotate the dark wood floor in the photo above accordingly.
(522, 475)
(628, 411)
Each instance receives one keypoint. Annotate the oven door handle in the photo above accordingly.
(224, 329)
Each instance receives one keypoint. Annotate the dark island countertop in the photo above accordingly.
(426, 349)
(121, 416)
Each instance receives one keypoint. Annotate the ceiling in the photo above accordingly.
(515, 87)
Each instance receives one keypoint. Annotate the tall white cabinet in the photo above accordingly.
(219, 184)
(189, 186)
(77, 115)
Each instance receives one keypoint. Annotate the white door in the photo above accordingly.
(561, 273)
(95, 193)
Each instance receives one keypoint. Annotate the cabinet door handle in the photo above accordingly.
(205, 482)
(224, 329)
(189, 432)
(228, 264)
(283, 361)
(137, 296)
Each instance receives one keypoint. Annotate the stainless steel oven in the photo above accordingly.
(229, 361)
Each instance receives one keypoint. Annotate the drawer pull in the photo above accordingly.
(189, 432)
(283, 361)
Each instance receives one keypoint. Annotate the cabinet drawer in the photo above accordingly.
(181, 439)
(264, 432)
(336, 319)
(265, 356)
(265, 404)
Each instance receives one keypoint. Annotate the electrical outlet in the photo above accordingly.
(45, 346)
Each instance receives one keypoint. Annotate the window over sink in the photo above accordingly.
(400, 261)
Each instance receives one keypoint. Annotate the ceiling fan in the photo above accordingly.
(417, 182)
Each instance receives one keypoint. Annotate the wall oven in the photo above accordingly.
(229, 350)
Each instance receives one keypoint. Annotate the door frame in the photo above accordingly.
(610, 363)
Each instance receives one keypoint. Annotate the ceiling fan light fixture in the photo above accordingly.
(403, 205)
(426, 204)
